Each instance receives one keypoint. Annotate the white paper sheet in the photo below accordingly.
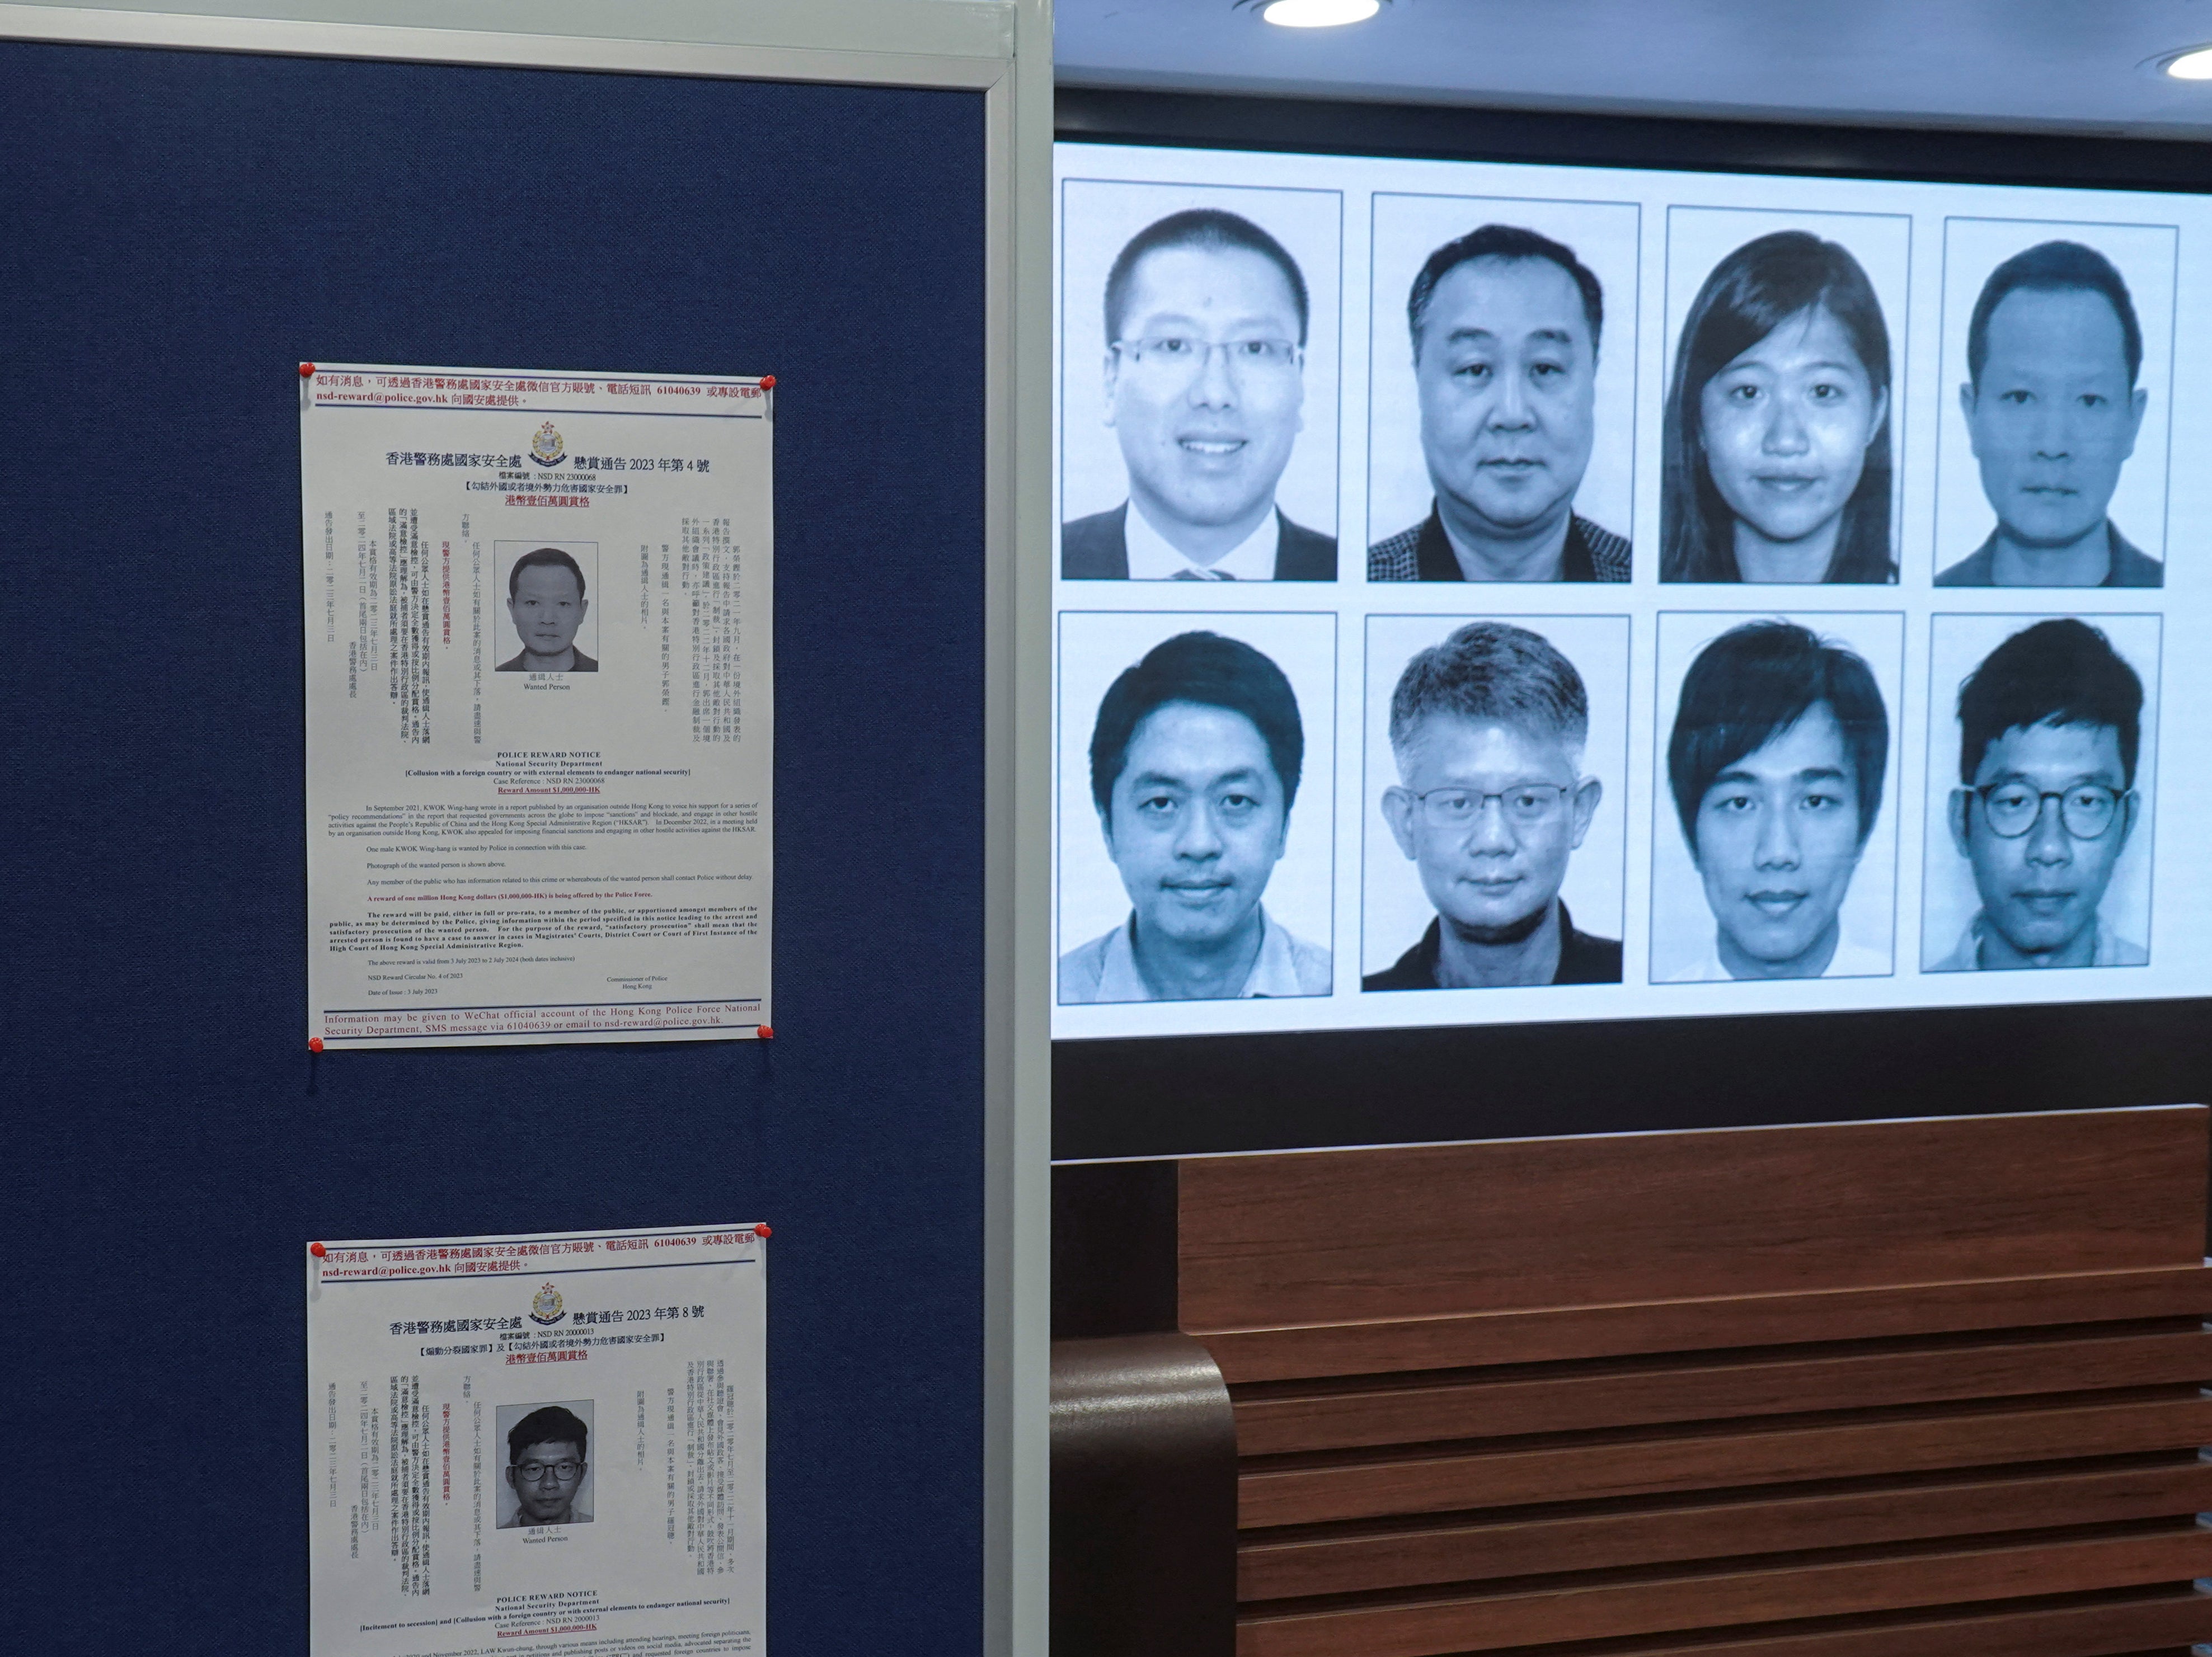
(434, 1530)
(540, 724)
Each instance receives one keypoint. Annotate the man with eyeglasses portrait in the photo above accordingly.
(1488, 731)
(1206, 334)
(545, 1468)
(2050, 726)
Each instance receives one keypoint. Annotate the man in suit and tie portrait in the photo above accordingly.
(1206, 316)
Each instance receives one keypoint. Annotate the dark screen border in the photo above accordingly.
(1204, 1094)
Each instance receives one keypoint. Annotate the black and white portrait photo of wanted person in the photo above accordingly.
(2047, 800)
(1777, 765)
(2055, 404)
(1489, 733)
(547, 601)
(1209, 318)
(548, 1463)
(1195, 758)
(1504, 330)
(1776, 447)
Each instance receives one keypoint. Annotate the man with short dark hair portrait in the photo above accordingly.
(1194, 765)
(1506, 325)
(2049, 729)
(545, 599)
(1205, 336)
(1776, 763)
(1488, 731)
(545, 1468)
(2053, 354)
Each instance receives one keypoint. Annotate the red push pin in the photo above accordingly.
(314, 1044)
(768, 1032)
(758, 1231)
(307, 371)
(767, 382)
(317, 1251)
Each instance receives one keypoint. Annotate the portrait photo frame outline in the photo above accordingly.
(505, 1418)
(1664, 819)
(1897, 319)
(1075, 820)
(506, 641)
(1610, 357)
(1942, 742)
(1951, 439)
(1068, 508)
(1376, 845)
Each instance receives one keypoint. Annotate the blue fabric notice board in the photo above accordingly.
(182, 229)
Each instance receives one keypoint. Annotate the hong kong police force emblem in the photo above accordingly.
(546, 1305)
(547, 448)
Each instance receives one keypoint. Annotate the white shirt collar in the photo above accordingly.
(1152, 559)
(1274, 969)
(2110, 950)
(1849, 960)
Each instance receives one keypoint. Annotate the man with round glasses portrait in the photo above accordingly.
(1206, 335)
(545, 1468)
(2051, 727)
(1488, 731)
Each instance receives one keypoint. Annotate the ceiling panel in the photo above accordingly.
(2076, 65)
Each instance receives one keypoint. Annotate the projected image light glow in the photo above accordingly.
(1672, 581)
(1319, 14)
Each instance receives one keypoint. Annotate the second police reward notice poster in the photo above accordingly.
(539, 705)
(551, 1443)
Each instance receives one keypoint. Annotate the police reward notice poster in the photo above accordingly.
(551, 1444)
(539, 705)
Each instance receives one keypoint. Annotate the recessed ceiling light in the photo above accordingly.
(2195, 64)
(1321, 14)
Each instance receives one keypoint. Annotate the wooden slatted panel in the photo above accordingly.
(1883, 1390)
(1446, 1230)
(2124, 1623)
(1496, 1403)
(1550, 1334)
(1705, 1457)
(1554, 1539)
(1609, 1605)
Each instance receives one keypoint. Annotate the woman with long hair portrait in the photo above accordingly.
(1776, 440)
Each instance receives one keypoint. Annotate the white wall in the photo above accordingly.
(969, 29)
